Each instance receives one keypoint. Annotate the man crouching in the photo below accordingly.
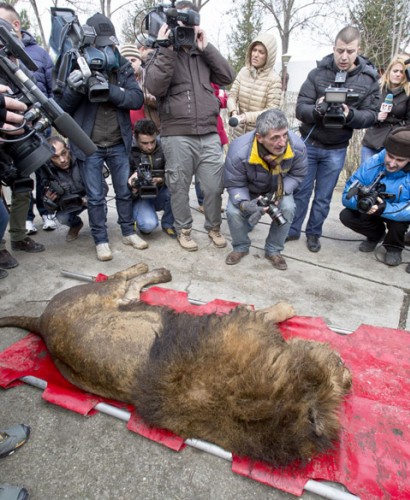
(262, 170)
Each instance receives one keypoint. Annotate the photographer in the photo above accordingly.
(147, 162)
(108, 124)
(269, 161)
(386, 207)
(180, 77)
(63, 172)
(9, 123)
(20, 201)
(328, 127)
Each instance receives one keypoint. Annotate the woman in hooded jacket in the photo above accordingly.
(257, 87)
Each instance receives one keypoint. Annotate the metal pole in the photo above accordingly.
(325, 490)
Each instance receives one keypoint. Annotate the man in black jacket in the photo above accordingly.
(327, 126)
(150, 193)
(63, 188)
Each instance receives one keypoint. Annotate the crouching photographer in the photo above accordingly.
(147, 184)
(377, 198)
(262, 170)
(63, 188)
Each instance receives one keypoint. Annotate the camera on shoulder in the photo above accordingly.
(180, 36)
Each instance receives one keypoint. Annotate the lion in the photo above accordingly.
(231, 379)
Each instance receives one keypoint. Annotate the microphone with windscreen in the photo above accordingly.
(233, 121)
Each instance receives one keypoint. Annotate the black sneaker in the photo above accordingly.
(313, 243)
(27, 245)
(368, 246)
(3, 274)
(170, 231)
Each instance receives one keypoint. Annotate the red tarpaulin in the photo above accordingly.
(373, 454)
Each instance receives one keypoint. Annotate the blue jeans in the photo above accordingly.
(239, 228)
(324, 167)
(367, 153)
(70, 219)
(144, 211)
(4, 219)
(92, 175)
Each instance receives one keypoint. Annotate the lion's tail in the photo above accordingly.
(29, 323)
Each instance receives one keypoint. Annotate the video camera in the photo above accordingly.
(335, 97)
(180, 35)
(74, 45)
(273, 211)
(367, 195)
(146, 188)
(20, 155)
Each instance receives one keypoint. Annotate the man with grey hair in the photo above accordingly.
(262, 170)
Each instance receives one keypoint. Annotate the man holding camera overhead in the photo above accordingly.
(262, 170)
(100, 104)
(340, 95)
(180, 76)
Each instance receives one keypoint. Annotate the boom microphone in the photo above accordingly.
(233, 121)
(387, 105)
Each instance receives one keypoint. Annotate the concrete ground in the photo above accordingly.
(72, 457)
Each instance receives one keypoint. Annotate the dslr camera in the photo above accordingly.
(75, 45)
(21, 155)
(144, 184)
(274, 212)
(335, 96)
(180, 35)
(367, 195)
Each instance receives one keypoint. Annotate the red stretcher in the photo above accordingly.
(372, 456)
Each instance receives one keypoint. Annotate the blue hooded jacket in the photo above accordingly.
(397, 183)
(44, 74)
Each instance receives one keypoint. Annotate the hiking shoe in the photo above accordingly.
(30, 227)
(48, 223)
(13, 438)
(72, 233)
(217, 239)
(170, 231)
(277, 261)
(368, 246)
(185, 240)
(235, 257)
(3, 274)
(292, 237)
(313, 243)
(135, 241)
(103, 251)
(7, 261)
(8, 492)
(27, 245)
(392, 257)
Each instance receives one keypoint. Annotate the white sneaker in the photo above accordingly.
(135, 241)
(30, 227)
(49, 224)
(103, 251)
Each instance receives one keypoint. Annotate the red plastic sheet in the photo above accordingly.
(372, 456)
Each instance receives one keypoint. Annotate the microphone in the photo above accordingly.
(387, 105)
(233, 121)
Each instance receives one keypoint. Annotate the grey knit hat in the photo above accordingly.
(398, 142)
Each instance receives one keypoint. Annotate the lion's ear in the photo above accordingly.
(317, 422)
